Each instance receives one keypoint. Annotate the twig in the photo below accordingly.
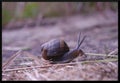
(106, 60)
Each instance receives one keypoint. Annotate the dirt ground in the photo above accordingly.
(102, 38)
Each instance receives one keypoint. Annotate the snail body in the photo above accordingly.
(68, 57)
(57, 51)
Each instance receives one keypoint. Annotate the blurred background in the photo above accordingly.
(39, 22)
(21, 11)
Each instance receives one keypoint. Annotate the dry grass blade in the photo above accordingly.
(26, 68)
(36, 59)
(45, 77)
(36, 73)
(95, 54)
(105, 60)
(116, 50)
(15, 48)
(10, 59)
(29, 76)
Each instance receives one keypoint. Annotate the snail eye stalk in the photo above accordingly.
(80, 42)
(79, 38)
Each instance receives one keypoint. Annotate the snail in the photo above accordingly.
(57, 51)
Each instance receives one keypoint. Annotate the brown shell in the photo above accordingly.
(54, 49)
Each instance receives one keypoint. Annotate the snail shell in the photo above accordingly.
(54, 49)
